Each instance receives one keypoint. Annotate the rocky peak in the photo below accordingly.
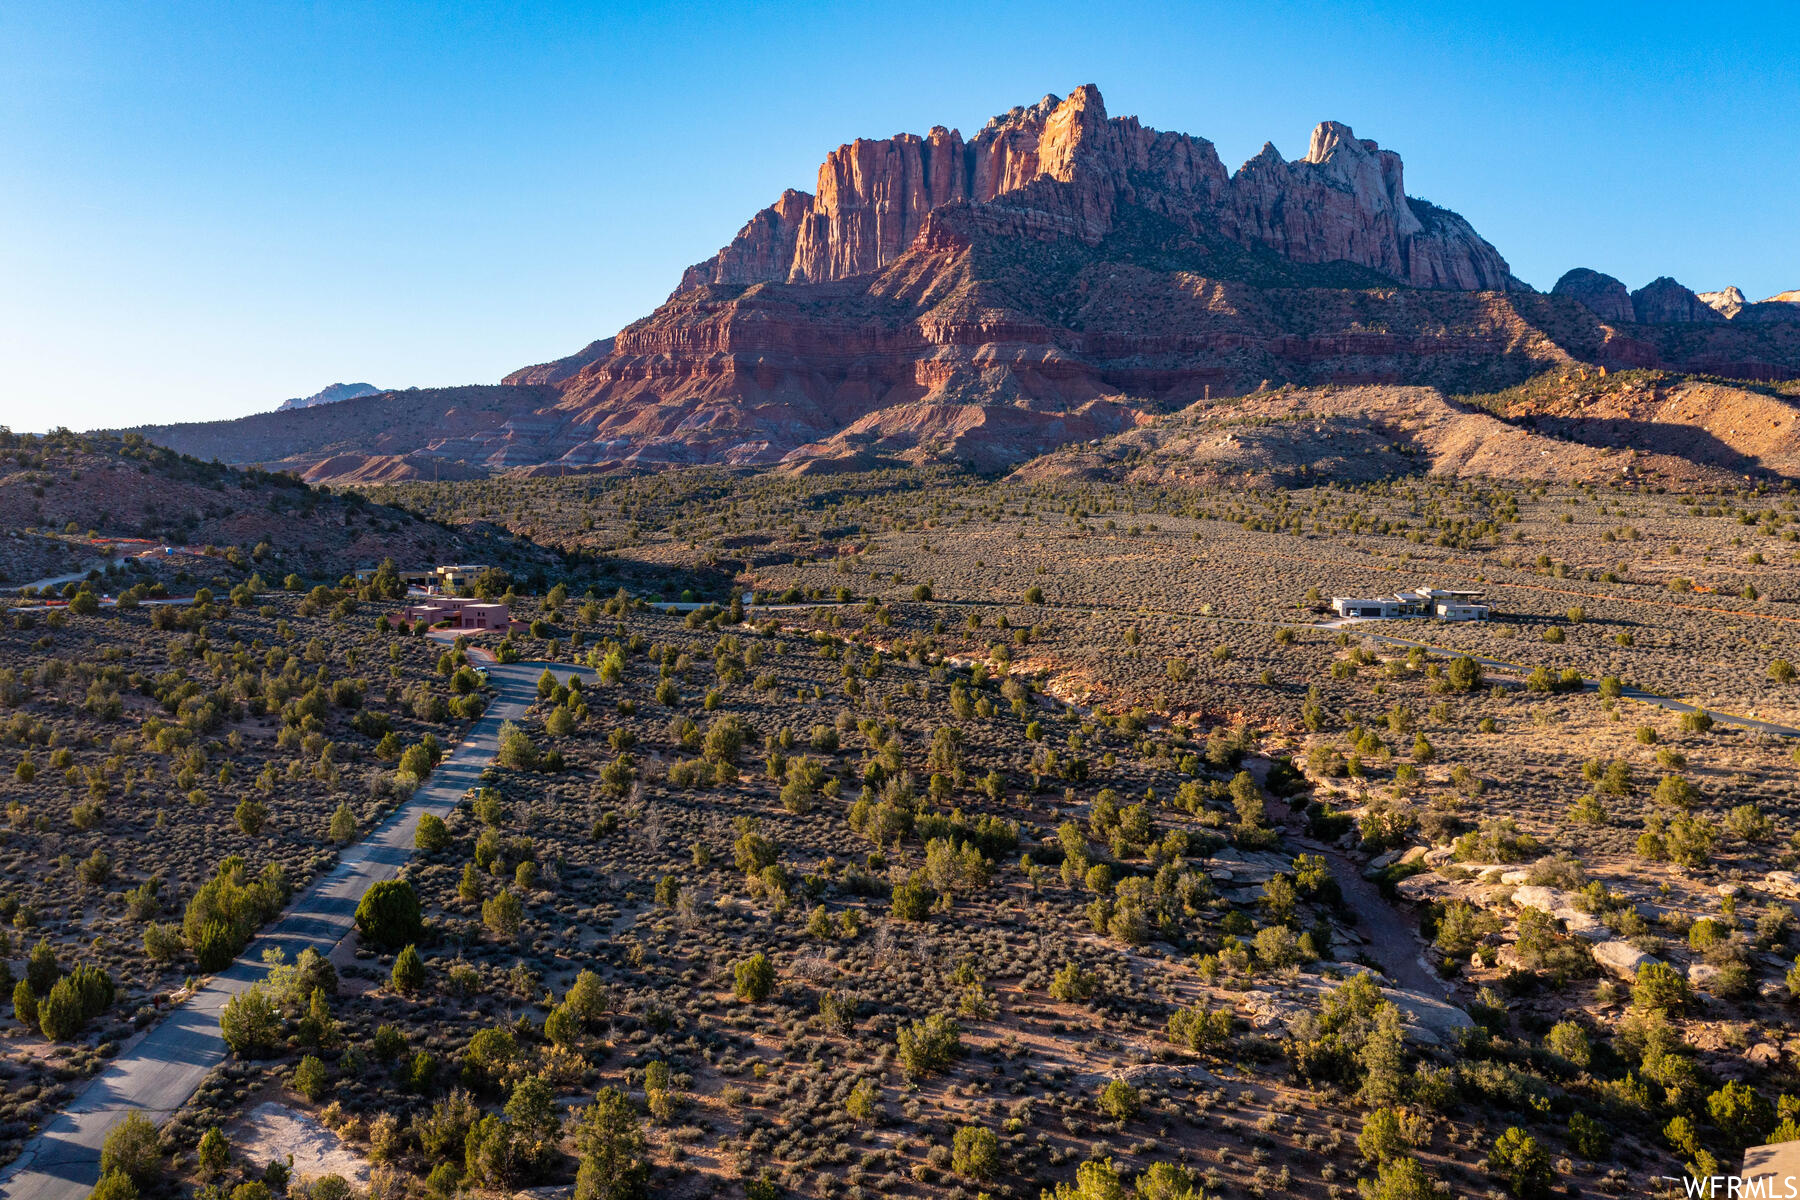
(1603, 295)
(1062, 167)
(1373, 174)
(1726, 301)
(329, 395)
(1265, 158)
(1665, 302)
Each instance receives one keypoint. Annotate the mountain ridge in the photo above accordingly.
(1060, 276)
(330, 394)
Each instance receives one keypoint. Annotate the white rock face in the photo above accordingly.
(1725, 301)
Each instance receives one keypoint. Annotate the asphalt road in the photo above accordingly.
(156, 1074)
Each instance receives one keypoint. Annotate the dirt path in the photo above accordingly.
(1392, 935)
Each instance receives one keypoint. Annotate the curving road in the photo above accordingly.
(158, 1073)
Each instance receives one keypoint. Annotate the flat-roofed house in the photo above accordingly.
(1446, 604)
(1370, 606)
(457, 577)
(462, 613)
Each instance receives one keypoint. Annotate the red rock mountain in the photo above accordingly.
(1064, 169)
(1061, 276)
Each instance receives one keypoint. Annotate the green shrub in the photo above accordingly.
(389, 914)
(310, 1078)
(214, 947)
(1398, 1179)
(1120, 1101)
(131, 1149)
(1521, 1164)
(408, 975)
(613, 1151)
(929, 1045)
(250, 1024)
(432, 835)
(116, 1186)
(214, 1152)
(753, 978)
(25, 1003)
(59, 1014)
(975, 1152)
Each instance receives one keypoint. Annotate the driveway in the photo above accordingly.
(158, 1073)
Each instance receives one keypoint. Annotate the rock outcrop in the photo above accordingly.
(1663, 301)
(329, 395)
(1066, 277)
(1726, 301)
(1603, 295)
(1782, 306)
(1064, 168)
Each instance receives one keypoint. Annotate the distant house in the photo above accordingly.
(420, 578)
(1445, 604)
(450, 578)
(459, 577)
(459, 613)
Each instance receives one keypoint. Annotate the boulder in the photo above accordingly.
(1585, 926)
(1620, 958)
(1428, 1019)
(1380, 863)
(1427, 885)
(1547, 899)
(1782, 883)
(1701, 974)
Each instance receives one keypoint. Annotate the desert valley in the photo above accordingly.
(1046, 667)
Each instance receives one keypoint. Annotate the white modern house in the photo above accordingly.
(1444, 604)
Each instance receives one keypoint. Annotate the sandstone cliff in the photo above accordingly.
(1059, 277)
(1064, 168)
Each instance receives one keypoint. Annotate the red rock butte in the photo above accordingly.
(1063, 169)
(1062, 276)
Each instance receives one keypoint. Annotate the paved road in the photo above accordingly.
(98, 564)
(158, 1073)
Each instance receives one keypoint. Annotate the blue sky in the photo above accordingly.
(207, 208)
